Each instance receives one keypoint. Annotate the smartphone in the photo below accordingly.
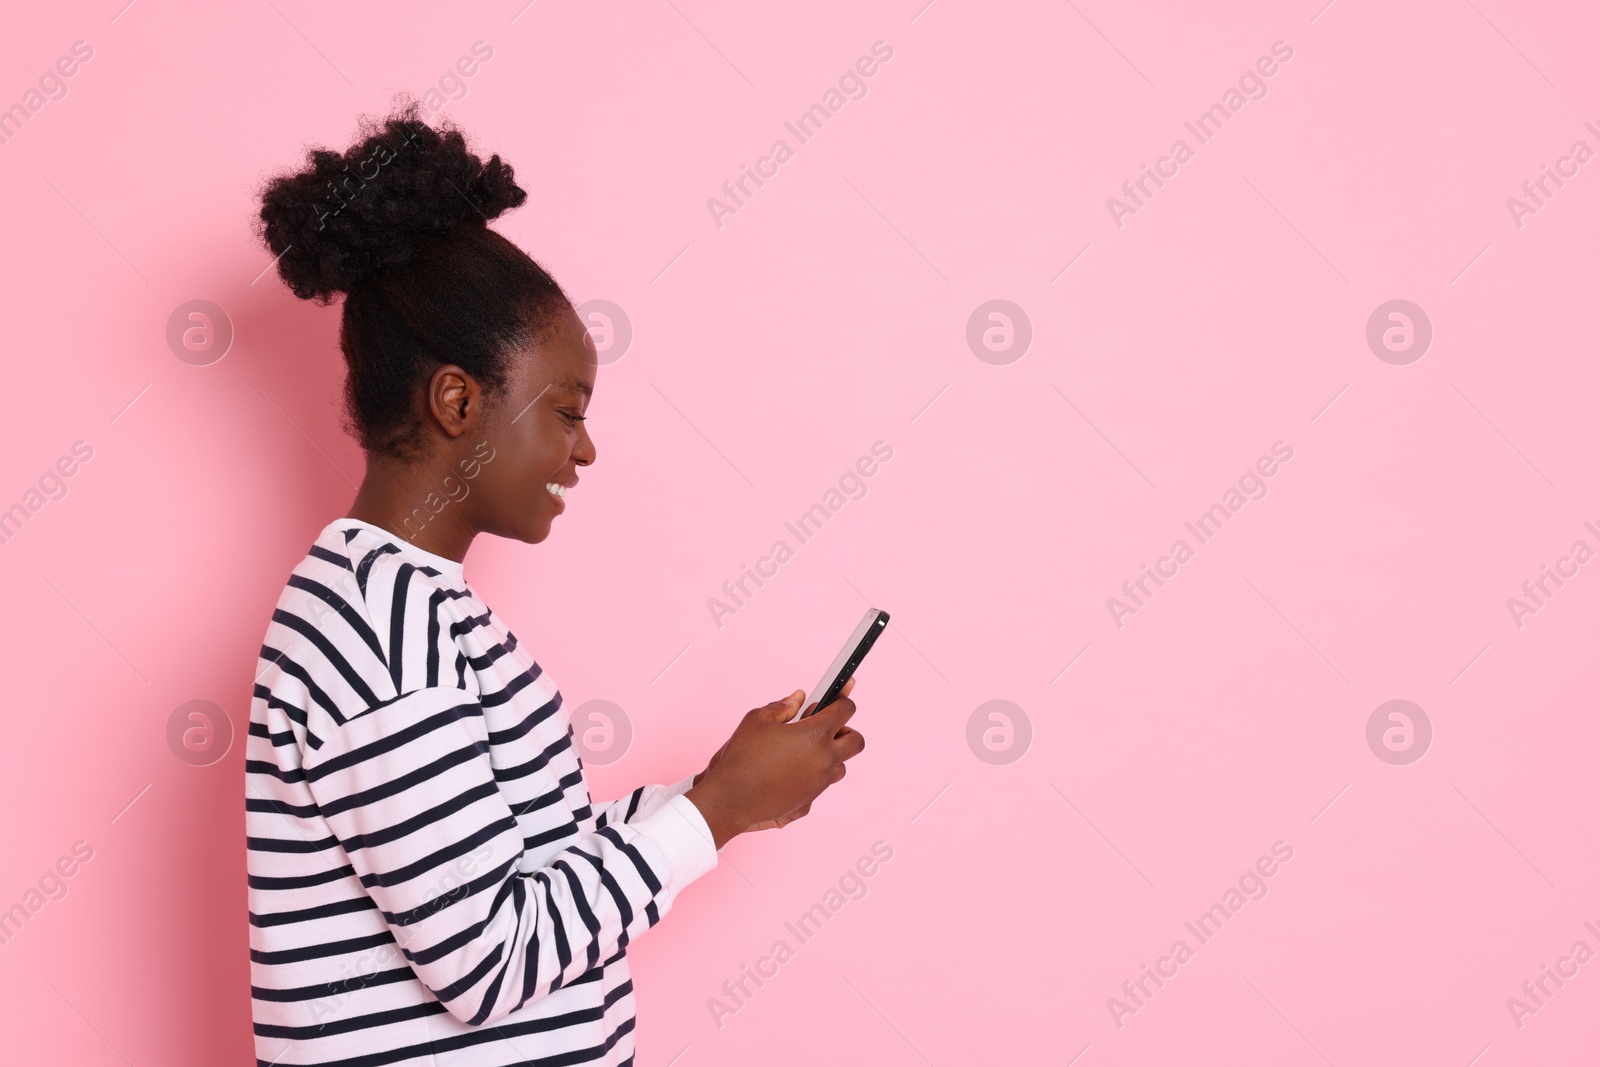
(844, 665)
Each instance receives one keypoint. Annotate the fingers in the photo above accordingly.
(789, 705)
(784, 820)
(798, 813)
(844, 691)
(833, 717)
(848, 743)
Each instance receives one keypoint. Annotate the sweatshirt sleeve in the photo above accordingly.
(641, 802)
(407, 788)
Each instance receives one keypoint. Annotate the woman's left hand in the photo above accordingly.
(799, 813)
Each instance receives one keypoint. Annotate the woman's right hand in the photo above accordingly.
(771, 768)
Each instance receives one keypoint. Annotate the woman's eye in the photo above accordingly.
(572, 418)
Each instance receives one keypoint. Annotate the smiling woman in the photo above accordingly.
(423, 276)
(397, 725)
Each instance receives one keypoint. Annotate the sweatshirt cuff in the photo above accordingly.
(677, 789)
(679, 830)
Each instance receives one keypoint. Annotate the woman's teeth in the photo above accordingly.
(556, 490)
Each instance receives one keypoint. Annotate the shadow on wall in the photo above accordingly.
(280, 442)
(286, 361)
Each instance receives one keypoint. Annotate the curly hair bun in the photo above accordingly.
(348, 215)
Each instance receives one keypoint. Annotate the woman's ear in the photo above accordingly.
(455, 400)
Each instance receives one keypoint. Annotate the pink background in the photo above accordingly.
(1222, 317)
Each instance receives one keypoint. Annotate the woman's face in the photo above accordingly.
(533, 440)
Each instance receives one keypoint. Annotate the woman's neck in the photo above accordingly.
(409, 500)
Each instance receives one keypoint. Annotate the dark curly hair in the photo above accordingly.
(398, 222)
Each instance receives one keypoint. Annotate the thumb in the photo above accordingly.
(793, 703)
(783, 710)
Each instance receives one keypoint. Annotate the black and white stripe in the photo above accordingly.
(429, 881)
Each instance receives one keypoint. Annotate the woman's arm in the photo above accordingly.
(407, 789)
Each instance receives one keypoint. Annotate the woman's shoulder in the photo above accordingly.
(353, 566)
(361, 602)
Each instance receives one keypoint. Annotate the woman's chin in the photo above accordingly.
(530, 529)
(537, 530)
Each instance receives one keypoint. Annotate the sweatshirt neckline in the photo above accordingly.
(448, 567)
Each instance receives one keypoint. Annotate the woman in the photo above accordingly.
(430, 882)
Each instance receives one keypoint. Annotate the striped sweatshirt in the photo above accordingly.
(429, 880)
